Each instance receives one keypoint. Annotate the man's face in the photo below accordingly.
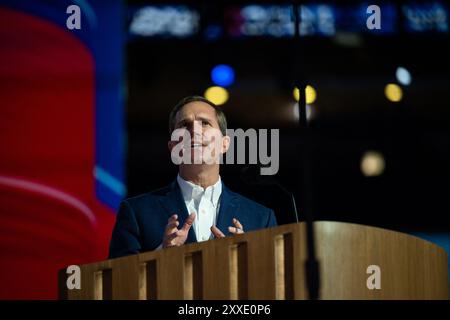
(199, 121)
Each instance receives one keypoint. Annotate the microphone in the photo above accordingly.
(251, 176)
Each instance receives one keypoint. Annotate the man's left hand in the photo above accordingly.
(237, 229)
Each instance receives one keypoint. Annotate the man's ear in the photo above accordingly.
(225, 144)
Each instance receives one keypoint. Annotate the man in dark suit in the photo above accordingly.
(161, 218)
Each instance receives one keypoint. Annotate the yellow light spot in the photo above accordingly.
(216, 95)
(393, 92)
(372, 164)
(311, 94)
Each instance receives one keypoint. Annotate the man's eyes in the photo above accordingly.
(203, 123)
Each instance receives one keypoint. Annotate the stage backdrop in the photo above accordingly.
(61, 139)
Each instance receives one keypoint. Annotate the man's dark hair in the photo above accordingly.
(221, 119)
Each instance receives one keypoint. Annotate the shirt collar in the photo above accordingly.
(191, 191)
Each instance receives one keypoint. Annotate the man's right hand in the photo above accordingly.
(174, 237)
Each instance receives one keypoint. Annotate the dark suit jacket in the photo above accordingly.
(141, 220)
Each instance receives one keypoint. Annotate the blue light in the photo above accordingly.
(222, 75)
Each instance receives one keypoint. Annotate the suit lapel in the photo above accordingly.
(174, 204)
(228, 210)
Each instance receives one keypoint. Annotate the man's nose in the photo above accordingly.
(195, 128)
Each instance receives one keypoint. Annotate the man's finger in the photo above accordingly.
(216, 232)
(235, 230)
(189, 221)
(172, 218)
(237, 224)
(172, 225)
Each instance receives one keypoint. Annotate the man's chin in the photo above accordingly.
(201, 162)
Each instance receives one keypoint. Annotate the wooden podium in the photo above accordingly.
(269, 264)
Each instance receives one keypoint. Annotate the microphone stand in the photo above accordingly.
(311, 264)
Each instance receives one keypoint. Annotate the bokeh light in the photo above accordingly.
(217, 95)
(403, 76)
(222, 75)
(372, 164)
(311, 94)
(296, 112)
(393, 92)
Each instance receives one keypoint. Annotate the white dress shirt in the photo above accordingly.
(204, 203)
